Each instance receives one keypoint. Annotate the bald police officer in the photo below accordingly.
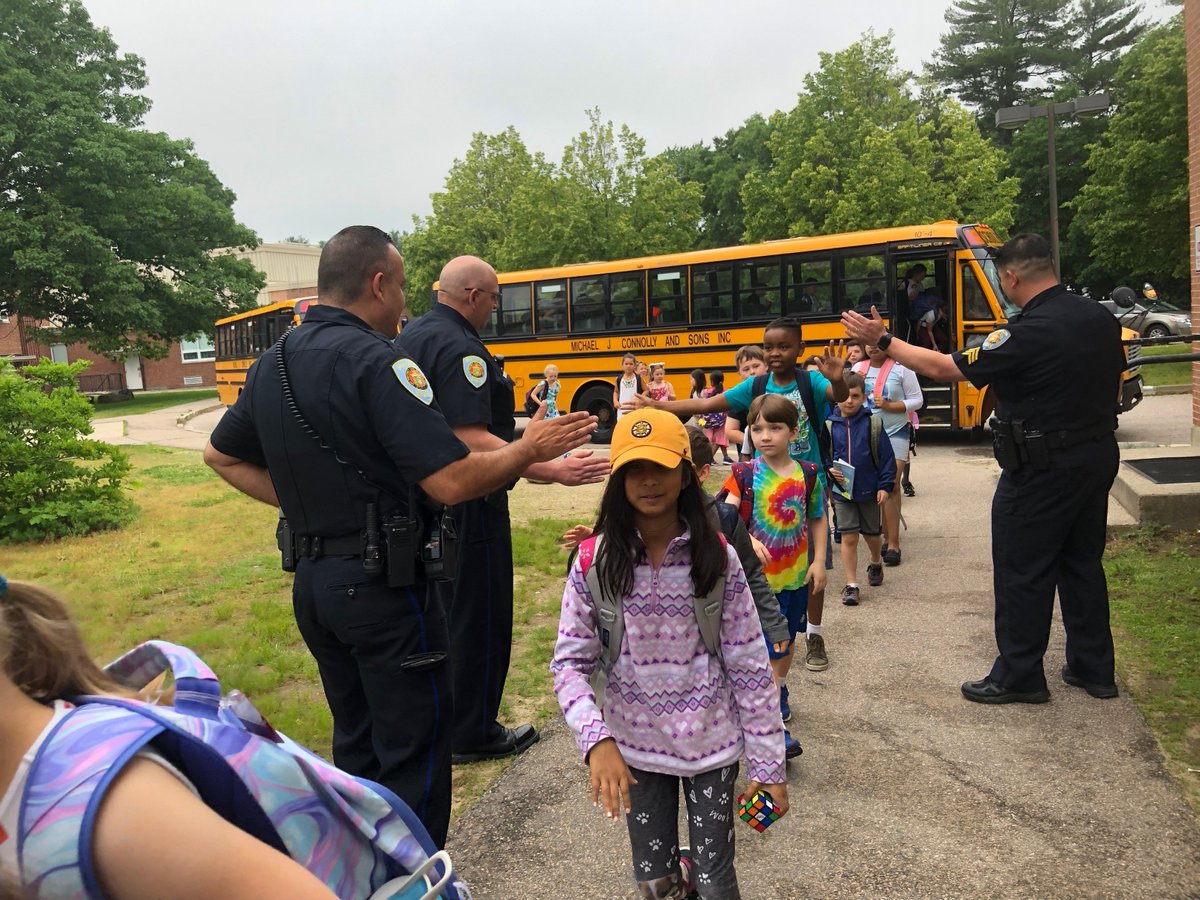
(1056, 370)
(343, 434)
(476, 398)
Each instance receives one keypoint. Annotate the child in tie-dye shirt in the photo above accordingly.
(784, 516)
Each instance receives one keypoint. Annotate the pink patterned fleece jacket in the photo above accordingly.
(671, 707)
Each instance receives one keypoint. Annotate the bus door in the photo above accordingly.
(977, 317)
(923, 282)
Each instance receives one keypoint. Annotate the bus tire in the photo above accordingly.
(597, 400)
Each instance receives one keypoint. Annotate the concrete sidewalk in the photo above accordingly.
(904, 789)
(185, 426)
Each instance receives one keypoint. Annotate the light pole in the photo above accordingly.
(1015, 116)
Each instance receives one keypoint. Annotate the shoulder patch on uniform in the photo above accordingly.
(476, 370)
(409, 374)
(970, 355)
(996, 338)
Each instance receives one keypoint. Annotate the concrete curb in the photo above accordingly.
(192, 413)
(1151, 390)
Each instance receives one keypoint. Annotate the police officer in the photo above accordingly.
(1056, 370)
(476, 398)
(346, 438)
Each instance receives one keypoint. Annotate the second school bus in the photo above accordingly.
(693, 310)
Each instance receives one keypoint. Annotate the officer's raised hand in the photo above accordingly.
(860, 328)
(551, 438)
(581, 467)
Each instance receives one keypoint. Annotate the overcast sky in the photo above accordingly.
(320, 114)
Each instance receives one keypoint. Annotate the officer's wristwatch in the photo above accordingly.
(883, 342)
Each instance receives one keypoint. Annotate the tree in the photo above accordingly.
(1134, 207)
(860, 151)
(994, 49)
(106, 230)
(721, 169)
(54, 481)
(1101, 31)
(605, 200)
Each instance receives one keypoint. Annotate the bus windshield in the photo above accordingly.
(993, 276)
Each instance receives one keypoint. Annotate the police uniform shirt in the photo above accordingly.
(364, 399)
(471, 389)
(1056, 366)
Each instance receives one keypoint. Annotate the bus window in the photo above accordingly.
(712, 293)
(668, 297)
(975, 306)
(627, 299)
(550, 304)
(758, 289)
(862, 283)
(588, 307)
(516, 314)
(809, 286)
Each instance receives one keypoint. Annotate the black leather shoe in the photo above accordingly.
(1099, 691)
(510, 742)
(987, 691)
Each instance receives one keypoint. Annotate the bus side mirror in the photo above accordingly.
(1124, 297)
(1149, 292)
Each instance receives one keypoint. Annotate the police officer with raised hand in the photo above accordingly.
(342, 432)
(1056, 371)
(477, 399)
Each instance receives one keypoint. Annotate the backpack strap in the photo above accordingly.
(743, 477)
(809, 399)
(758, 386)
(708, 610)
(810, 479)
(876, 430)
(68, 778)
(610, 617)
(197, 690)
(881, 379)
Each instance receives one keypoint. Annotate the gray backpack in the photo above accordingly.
(610, 614)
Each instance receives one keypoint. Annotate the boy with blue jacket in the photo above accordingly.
(866, 448)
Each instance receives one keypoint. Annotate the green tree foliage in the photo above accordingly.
(54, 481)
(721, 169)
(105, 228)
(994, 49)
(1100, 32)
(860, 150)
(1133, 210)
(604, 200)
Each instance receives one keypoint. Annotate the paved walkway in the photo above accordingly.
(904, 789)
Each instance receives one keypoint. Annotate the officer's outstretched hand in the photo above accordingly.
(860, 328)
(581, 467)
(551, 438)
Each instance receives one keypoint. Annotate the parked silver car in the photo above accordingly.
(1154, 320)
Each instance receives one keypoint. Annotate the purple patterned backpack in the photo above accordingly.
(356, 836)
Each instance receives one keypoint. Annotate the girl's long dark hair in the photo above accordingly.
(621, 550)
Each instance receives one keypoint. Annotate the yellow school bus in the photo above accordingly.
(693, 310)
(243, 338)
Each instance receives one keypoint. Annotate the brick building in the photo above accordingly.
(290, 271)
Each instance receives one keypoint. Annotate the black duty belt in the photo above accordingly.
(314, 546)
(1057, 440)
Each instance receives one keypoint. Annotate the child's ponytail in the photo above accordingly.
(41, 649)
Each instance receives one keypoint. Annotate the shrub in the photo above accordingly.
(54, 480)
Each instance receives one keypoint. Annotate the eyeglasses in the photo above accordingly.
(495, 294)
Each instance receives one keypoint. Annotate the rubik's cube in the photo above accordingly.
(759, 811)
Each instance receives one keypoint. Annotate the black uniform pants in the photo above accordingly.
(1048, 531)
(382, 654)
(479, 606)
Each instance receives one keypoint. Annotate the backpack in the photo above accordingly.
(533, 400)
(877, 391)
(876, 429)
(759, 387)
(356, 836)
(743, 477)
(610, 615)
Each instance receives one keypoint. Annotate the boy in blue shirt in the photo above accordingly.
(783, 346)
(850, 430)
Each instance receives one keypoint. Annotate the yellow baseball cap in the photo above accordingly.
(650, 434)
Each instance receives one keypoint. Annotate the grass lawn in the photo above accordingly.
(143, 403)
(1167, 373)
(1154, 588)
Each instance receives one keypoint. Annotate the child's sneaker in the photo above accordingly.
(874, 574)
(791, 746)
(849, 597)
(815, 658)
(688, 868)
(784, 707)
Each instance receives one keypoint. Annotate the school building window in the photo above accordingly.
(198, 348)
